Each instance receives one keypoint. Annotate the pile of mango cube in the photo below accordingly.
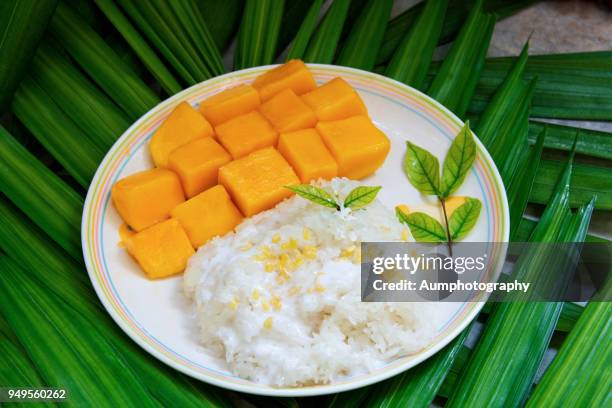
(233, 156)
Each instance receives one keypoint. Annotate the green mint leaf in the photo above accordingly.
(361, 196)
(458, 161)
(422, 169)
(464, 218)
(315, 194)
(423, 227)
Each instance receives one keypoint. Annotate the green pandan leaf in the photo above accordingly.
(361, 196)
(464, 218)
(423, 227)
(458, 161)
(422, 169)
(315, 194)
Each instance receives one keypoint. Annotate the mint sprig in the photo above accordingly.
(423, 172)
(315, 194)
(359, 197)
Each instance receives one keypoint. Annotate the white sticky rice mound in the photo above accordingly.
(310, 328)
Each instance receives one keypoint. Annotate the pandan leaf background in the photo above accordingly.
(75, 73)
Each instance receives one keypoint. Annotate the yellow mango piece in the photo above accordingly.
(435, 210)
(452, 203)
(161, 250)
(124, 233)
(307, 154)
(287, 112)
(197, 164)
(207, 215)
(357, 145)
(246, 133)
(230, 103)
(335, 100)
(256, 182)
(292, 75)
(145, 198)
(182, 126)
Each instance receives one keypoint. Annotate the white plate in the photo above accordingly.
(156, 315)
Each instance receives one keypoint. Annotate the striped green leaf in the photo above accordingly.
(23, 241)
(412, 58)
(41, 194)
(173, 27)
(87, 106)
(293, 16)
(322, 46)
(418, 386)
(587, 180)
(456, 81)
(258, 34)
(191, 25)
(222, 18)
(456, 14)
(588, 142)
(520, 187)
(507, 101)
(570, 86)
(172, 51)
(503, 128)
(17, 370)
(579, 375)
(300, 42)
(56, 131)
(140, 47)
(102, 64)
(570, 313)
(520, 329)
(527, 226)
(364, 40)
(42, 323)
(22, 26)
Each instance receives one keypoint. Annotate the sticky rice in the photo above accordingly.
(279, 299)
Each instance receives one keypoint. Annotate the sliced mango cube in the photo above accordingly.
(209, 214)
(246, 133)
(357, 145)
(287, 112)
(256, 182)
(335, 100)
(306, 152)
(182, 126)
(292, 75)
(197, 164)
(145, 198)
(230, 103)
(161, 250)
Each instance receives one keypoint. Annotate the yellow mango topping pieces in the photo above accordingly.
(197, 164)
(182, 126)
(292, 75)
(161, 250)
(246, 133)
(357, 145)
(145, 198)
(308, 155)
(335, 100)
(287, 112)
(209, 214)
(230, 103)
(256, 182)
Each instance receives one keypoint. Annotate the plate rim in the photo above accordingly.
(263, 389)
